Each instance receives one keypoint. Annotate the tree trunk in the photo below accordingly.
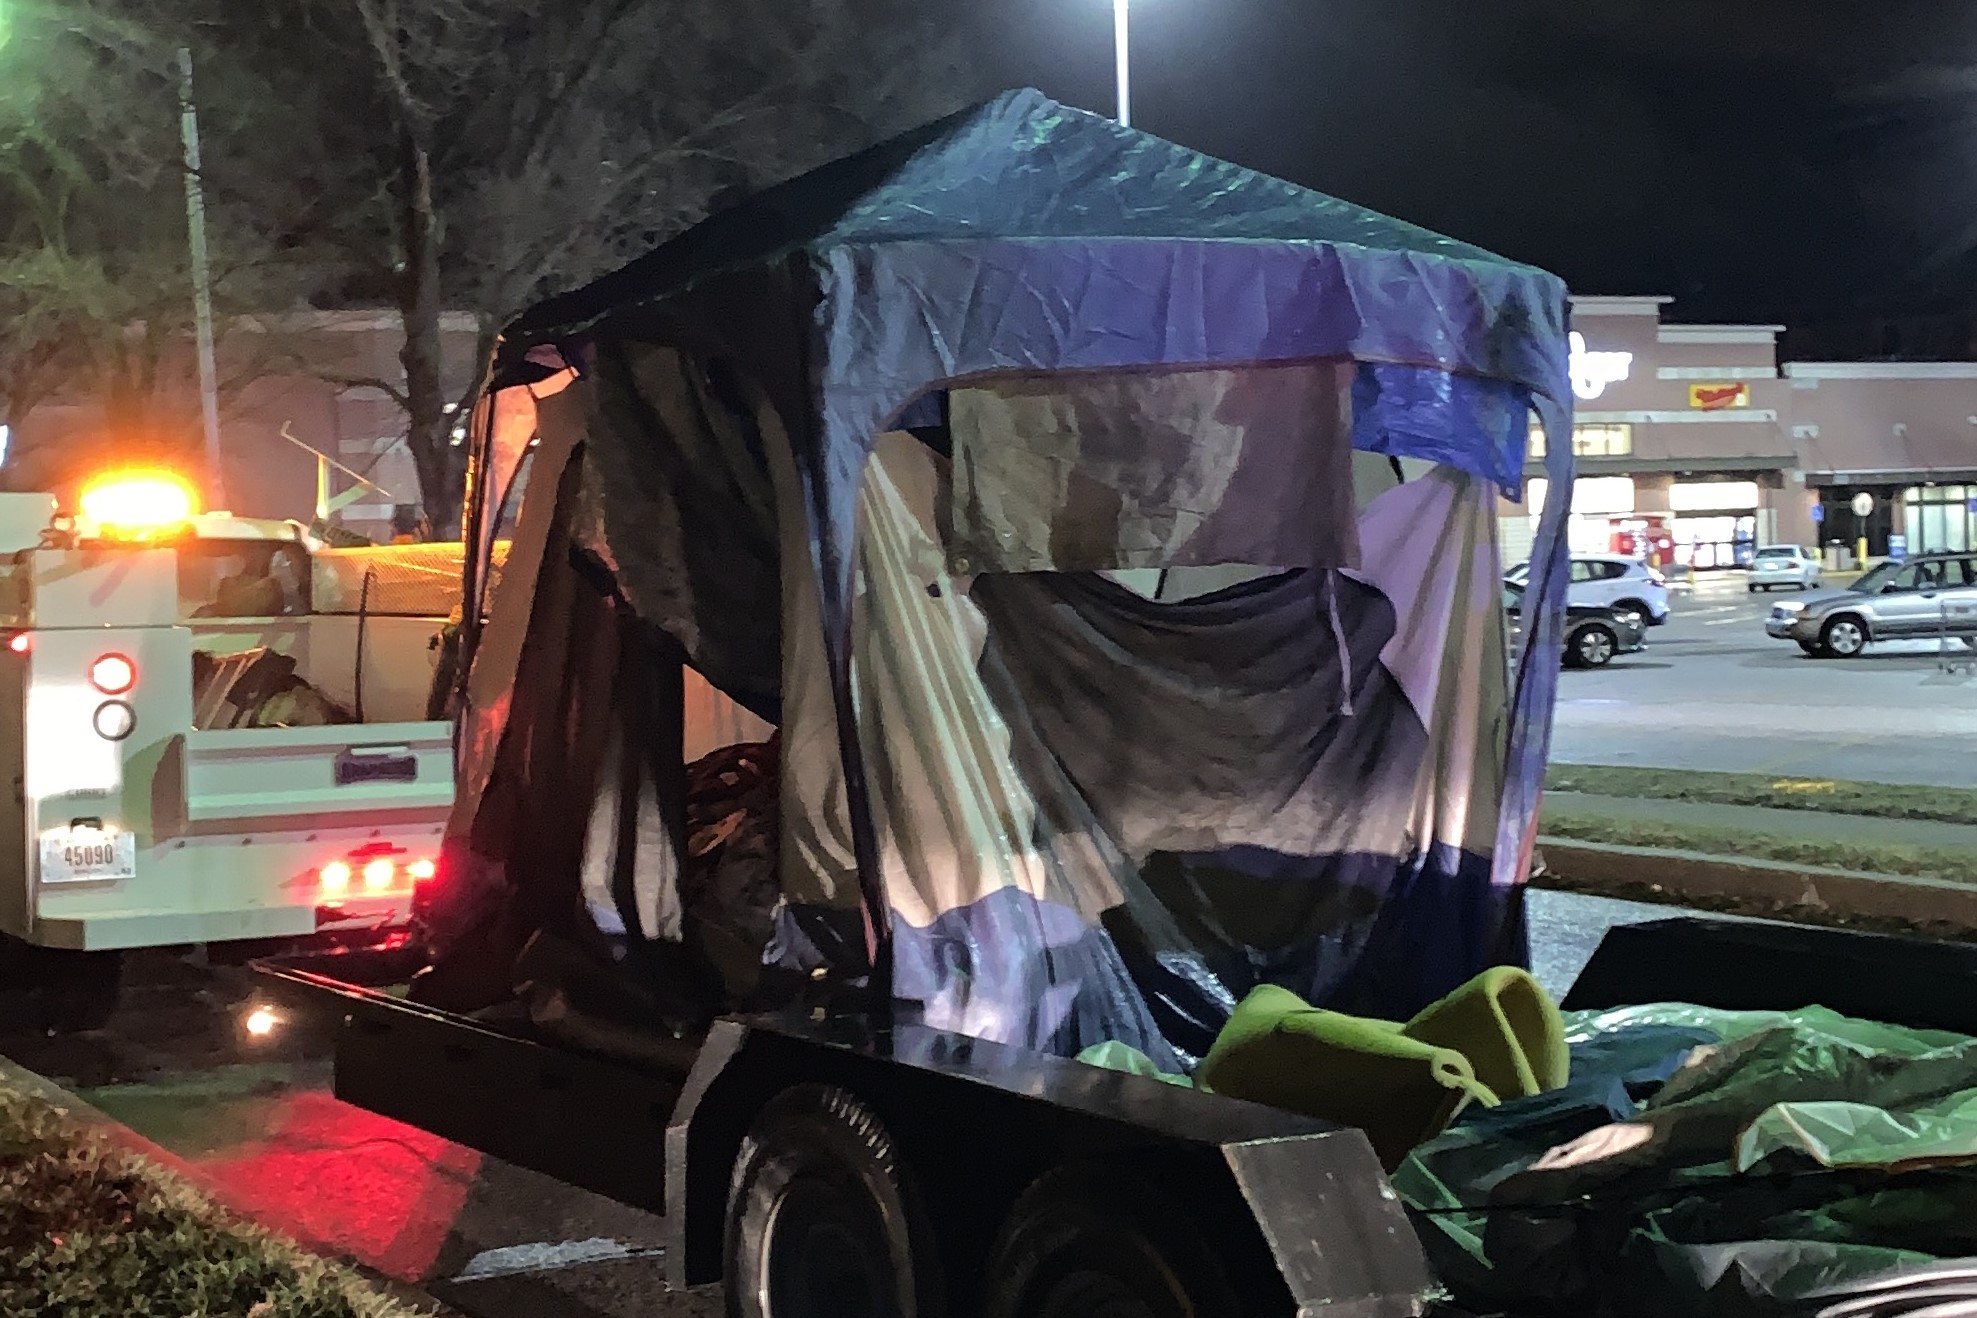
(439, 464)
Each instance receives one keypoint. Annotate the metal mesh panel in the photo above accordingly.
(406, 580)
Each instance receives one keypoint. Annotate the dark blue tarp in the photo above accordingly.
(1023, 237)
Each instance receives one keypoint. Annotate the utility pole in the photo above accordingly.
(202, 287)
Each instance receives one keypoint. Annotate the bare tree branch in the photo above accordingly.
(392, 391)
(476, 155)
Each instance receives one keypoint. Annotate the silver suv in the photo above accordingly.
(1908, 600)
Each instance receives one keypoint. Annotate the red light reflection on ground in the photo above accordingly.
(349, 1182)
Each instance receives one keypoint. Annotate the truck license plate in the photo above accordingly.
(87, 855)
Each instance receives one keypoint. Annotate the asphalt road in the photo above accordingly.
(1712, 691)
(487, 1239)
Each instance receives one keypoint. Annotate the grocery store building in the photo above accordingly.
(1905, 433)
(1693, 437)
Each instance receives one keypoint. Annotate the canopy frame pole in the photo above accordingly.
(1122, 58)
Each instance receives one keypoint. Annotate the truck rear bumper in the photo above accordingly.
(120, 931)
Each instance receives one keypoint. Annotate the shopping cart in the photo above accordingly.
(1956, 636)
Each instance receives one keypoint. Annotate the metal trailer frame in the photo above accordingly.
(1298, 1209)
(665, 1138)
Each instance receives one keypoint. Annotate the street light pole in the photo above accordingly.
(1122, 59)
(202, 286)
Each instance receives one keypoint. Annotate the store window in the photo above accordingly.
(1609, 441)
(1592, 441)
(1715, 523)
(1940, 517)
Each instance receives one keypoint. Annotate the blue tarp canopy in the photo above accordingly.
(1017, 240)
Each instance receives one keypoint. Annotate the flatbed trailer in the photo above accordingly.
(1255, 1211)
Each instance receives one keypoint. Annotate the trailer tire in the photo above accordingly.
(822, 1219)
(1089, 1240)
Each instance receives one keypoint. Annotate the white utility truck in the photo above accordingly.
(218, 729)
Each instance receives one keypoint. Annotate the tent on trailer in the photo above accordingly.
(1107, 533)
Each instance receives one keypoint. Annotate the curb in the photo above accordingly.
(1765, 887)
(121, 1137)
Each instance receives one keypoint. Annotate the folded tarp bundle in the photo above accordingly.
(1497, 1037)
(1713, 1163)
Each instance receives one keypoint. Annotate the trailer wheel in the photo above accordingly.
(1089, 1242)
(822, 1218)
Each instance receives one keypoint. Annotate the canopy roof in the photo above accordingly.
(1024, 186)
(1019, 166)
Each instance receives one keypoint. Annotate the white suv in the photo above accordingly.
(1612, 580)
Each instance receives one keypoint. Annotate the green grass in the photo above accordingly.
(1880, 858)
(1774, 791)
(86, 1229)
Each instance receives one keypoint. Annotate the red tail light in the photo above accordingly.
(113, 674)
(20, 642)
(335, 878)
(422, 871)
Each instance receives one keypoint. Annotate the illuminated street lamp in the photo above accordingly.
(1122, 59)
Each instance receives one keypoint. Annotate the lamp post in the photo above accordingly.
(1122, 52)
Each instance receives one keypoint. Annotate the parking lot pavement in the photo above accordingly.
(258, 1120)
(1566, 927)
(1712, 691)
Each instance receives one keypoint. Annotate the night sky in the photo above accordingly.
(1759, 160)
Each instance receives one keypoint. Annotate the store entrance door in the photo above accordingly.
(1839, 526)
(1716, 540)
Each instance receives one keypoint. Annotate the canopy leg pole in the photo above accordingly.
(1122, 58)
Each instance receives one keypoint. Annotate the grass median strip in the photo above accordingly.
(86, 1229)
(1950, 805)
(1880, 858)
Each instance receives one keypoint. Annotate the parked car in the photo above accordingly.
(1895, 601)
(1594, 633)
(1784, 565)
(1612, 580)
